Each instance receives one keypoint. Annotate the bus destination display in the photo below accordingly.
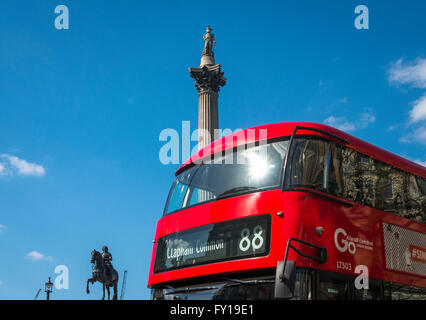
(234, 239)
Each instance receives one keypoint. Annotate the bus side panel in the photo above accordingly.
(353, 237)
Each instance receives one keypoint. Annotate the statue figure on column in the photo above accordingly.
(209, 42)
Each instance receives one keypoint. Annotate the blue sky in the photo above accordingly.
(82, 110)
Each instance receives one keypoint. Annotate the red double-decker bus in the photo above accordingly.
(292, 210)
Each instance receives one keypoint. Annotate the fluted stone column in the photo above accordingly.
(208, 80)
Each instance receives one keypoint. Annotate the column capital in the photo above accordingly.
(208, 78)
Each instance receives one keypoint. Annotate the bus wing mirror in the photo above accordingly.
(285, 279)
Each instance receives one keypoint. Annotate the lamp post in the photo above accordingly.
(48, 288)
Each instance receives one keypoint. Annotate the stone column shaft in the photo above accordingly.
(208, 80)
(208, 117)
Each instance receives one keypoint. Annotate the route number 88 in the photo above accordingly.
(256, 242)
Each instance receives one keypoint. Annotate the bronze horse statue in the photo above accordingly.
(100, 273)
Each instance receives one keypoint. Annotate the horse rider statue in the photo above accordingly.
(103, 272)
(107, 256)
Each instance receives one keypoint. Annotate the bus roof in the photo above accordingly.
(285, 129)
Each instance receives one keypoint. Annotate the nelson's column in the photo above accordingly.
(208, 80)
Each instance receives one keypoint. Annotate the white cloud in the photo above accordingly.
(418, 112)
(343, 100)
(392, 127)
(2, 227)
(37, 256)
(366, 118)
(1, 282)
(343, 124)
(418, 135)
(413, 73)
(423, 163)
(12, 165)
(340, 123)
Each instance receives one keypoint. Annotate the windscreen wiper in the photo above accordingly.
(188, 290)
(235, 190)
(233, 282)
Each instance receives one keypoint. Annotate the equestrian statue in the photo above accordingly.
(103, 272)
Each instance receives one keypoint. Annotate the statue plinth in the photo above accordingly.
(206, 60)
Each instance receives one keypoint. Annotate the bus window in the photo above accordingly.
(309, 166)
(333, 290)
(177, 195)
(332, 287)
(336, 173)
(422, 186)
(358, 190)
(372, 293)
(369, 195)
(329, 167)
(399, 192)
(178, 192)
(359, 177)
(403, 292)
(198, 195)
(303, 285)
(384, 192)
(417, 198)
(351, 179)
(243, 171)
(363, 159)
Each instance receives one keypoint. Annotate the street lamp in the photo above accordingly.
(48, 288)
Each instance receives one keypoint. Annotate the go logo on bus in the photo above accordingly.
(344, 244)
(257, 241)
